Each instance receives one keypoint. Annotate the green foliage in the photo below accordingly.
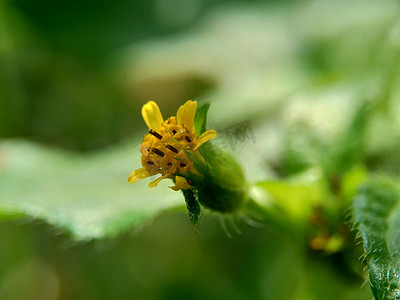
(348, 149)
(87, 196)
(293, 200)
(323, 105)
(376, 214)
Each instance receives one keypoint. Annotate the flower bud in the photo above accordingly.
(219, 183)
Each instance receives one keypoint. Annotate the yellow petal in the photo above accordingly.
(154, 183)
(152, 115)
(137, 175)
(185, 114)
(206, 136)
(180, 184)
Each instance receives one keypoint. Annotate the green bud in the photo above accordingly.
(219, 183)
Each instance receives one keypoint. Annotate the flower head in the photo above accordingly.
(165, 145)
(208, 177)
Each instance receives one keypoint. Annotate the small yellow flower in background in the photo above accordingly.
(163, 147)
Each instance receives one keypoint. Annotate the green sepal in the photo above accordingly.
(192, 205)
(200, 119)
(220, 184)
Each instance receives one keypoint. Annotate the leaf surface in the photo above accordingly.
(376, 213)
(87, 195)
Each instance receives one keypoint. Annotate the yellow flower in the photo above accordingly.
(163, 147)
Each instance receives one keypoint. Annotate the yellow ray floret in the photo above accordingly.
(154, 183)
(205, 137)
(186, 113)
(138, 174)
(152, 115)
(180, 184)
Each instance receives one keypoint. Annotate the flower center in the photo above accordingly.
(163, 150)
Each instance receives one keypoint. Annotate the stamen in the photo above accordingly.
(155, 133)
(183, 165)
(174, 131)
(172, 148)
(149, 162)
(158, 152)
(188, 139)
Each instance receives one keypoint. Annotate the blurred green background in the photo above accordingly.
(317, 79)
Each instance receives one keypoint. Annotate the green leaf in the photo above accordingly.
(192, 205)
(86, 195)
(200, 119)
(290, 202)
(376, 213)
